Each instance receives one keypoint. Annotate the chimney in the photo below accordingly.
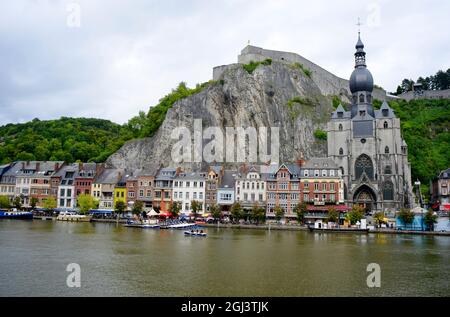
(178, 171)
(80, 167)
(38, 166)
(23, 165)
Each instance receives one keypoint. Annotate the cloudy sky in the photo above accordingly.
(112, 58)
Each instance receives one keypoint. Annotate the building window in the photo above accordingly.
(316, 173)
(341, 151)
(361, 98)
(324, 173)
(340, 126)
(385, 112)
(385, 125)
(388, 191)
(386, 150)
(363, 164)
(388, 170)
(305, 173)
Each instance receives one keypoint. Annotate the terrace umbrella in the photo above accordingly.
(152, 213)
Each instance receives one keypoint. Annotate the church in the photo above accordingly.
(367, 145)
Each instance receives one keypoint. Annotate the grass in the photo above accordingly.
(250, 67)
(293, 112)
(306, 71)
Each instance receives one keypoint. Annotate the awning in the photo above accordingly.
(162, 214)
(446, 206)
(326, 208)
(101, 211)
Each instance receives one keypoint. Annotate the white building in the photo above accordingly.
(250, 187)
(225, 191)
(66, 198)
(188, 187)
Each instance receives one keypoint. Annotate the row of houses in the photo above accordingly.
(317, 182)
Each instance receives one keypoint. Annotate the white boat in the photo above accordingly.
(194, 233)
(181, 226)
(146, 224)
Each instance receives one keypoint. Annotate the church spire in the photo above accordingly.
(360, 55)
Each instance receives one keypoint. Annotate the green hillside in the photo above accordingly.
(68, 139)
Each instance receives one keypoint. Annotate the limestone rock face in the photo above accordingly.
(240, 99)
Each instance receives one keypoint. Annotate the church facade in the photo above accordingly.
(367, 145)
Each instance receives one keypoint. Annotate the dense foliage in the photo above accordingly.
(66, 139)
(425, 127)
(440, 81)
(146, 124)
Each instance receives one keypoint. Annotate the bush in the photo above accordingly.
(320, 135)
(306, 71)
(250, 67)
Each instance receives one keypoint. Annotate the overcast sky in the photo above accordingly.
(109, 59)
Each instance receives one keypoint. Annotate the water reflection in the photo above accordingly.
(121, 261)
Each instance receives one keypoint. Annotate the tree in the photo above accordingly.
(138, 207)
(196, 206)
(355, 215)
(85, 203)
(120, 207)
(333, 215)
(216, 213)
(258, 213)
(406, 216)
(49, 203)
(17, 202)
(279, 213)
(407, 85)
(300, 210)
(33, 202)
(175, 209)
(4, 202)
(236, 211)
(430, 218)
(378, 217)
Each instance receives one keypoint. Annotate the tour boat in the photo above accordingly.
(16, 215)
(193, 233)
(146, 224)
(74, 218)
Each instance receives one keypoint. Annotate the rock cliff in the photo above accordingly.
(281, 94)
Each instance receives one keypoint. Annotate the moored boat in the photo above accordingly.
(74, 218)
(16, 215)
(349, 230)
(146, 224)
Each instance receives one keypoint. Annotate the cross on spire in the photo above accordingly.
(359, 25)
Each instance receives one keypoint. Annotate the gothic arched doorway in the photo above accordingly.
(365, 197)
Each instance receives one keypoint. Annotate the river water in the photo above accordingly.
(119, 261)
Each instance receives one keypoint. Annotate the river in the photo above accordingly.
(119, 261)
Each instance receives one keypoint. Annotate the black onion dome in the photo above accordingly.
(361, 80)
